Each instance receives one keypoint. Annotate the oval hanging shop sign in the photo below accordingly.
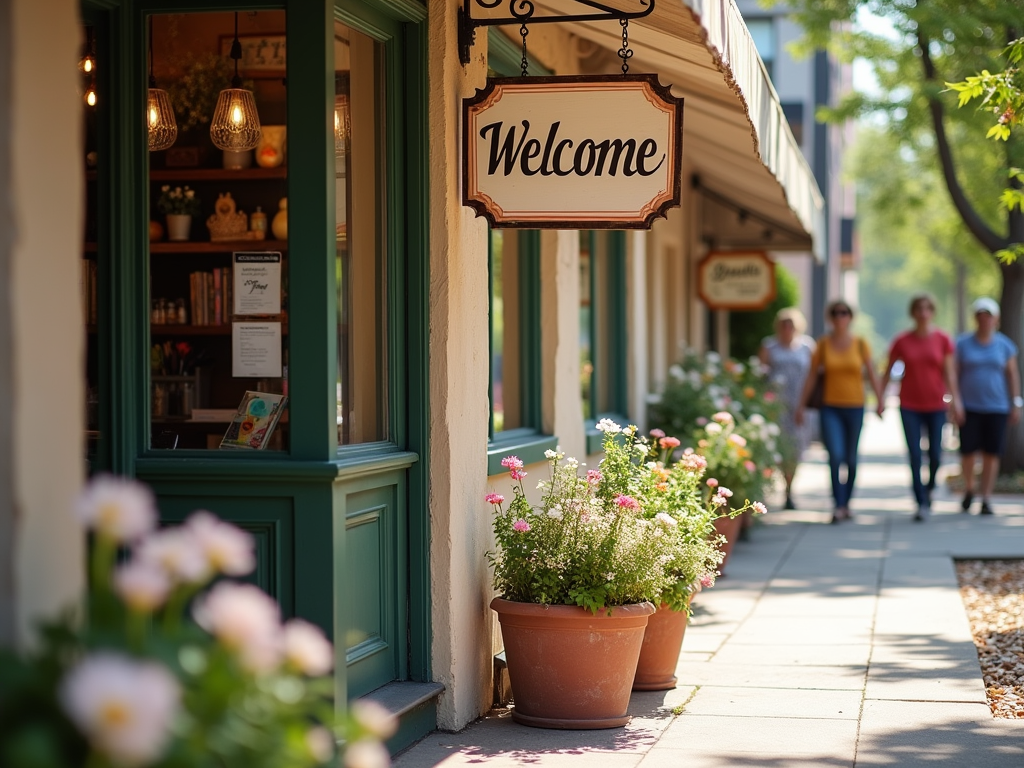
(736, 280)
(573, 152)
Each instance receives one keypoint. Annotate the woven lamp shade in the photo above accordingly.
(163, 128)
(235, 124)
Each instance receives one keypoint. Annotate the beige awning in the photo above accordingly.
(735, 134)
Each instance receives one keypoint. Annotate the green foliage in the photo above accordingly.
(1000, 94)
(747, 329)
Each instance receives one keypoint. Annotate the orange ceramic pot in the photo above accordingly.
(730, 528)
(570, 668)
(659, 655)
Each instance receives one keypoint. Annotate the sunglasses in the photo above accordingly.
(841, 313)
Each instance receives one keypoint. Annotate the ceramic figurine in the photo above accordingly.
(271, 149)
(280, 223)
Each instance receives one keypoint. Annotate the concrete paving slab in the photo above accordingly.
(839, 654)
(930, 680)
(915, 734)
(758, 675)
(744, 735)
(775, 702)
(684, 758)
(776, 605)
(803, 630)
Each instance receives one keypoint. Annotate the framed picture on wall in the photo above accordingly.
(263, 56)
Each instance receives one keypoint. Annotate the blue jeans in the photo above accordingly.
(840, 431)
(913, 424)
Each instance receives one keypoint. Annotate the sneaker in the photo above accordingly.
(985, 509)
(923, 513)
(965, 505)
(919, 517)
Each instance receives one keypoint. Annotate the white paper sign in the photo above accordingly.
(573, 152)
(257, 282)
(256, 350)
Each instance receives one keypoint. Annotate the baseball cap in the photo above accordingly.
(985, 304)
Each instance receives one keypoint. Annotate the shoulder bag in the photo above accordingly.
(816, 397)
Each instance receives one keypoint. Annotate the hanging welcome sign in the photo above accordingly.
(574, 152)
(736, 280)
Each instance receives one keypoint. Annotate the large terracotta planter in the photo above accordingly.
(569, 668)
(730, 528)
(659, 655)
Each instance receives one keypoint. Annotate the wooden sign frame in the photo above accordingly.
(658, 95)
(716, 256)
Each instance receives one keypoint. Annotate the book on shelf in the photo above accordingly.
(89, 290)
(209, 294)
(213, 414)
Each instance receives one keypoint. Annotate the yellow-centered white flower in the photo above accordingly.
(123, 707)
(246, 621)
(228, 549)
(143, 586)
(177, 552)
(119, 509)
(307, 649)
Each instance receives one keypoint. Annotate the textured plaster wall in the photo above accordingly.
(42, 446)
(460, 526)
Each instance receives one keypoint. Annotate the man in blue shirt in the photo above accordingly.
(990, 389)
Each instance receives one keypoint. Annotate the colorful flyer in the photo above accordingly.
(254, 421)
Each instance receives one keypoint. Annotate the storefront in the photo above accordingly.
(415, 346)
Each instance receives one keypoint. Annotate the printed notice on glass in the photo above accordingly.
(257, 282)
(256, 350)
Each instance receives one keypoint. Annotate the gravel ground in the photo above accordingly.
(993, 593)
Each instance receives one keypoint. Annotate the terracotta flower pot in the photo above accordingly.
(659, 655)
(730, 528)
(569, 668)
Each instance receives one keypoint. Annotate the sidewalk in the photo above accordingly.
(826, 645)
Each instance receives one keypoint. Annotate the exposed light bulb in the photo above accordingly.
(236, 123)
(87, 64)
(163, 128)
(90, 97)
(236, 114)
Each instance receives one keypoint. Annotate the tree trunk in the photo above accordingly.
(1012, 324)
(961, 297)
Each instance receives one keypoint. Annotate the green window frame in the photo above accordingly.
(608, 382)
(528, 441)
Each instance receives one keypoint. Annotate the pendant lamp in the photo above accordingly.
(88, 65)
(236, 124)
(163, 128)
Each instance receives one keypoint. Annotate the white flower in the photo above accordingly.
(757, 419)
(774, 430)
(244, 620)
(367, 753)
(374, 718)
(142, 585)
(307, 649)
(738, 368)
(228, 549)
(550, 455)
(572, 463)
(320, 743)
(666, 519)
(608, 426)
(555, 513)
(723, 491)
(759, 508)
(676, 372)
(641, 449)
(713, 357)
(753, 361)
(177, 552)
(777, 458)
(713, 428)
(630, 430)
(120, 509)
(122, 706)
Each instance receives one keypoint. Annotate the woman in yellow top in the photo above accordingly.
(844, 359)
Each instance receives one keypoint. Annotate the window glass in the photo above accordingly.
(360, 262)
(602, 324)
(218, 365)
(505, 317)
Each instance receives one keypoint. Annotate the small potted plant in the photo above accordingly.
(156, 671)
(576, 575)
(179, 205)
(684, 520)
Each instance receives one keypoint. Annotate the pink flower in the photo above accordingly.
(494, 498)
(593, 476)
(707, 580)
(749, 466)
(725, 492)
(712, 483)
(657, 433)
(759, 508)
(516, 474)
(719, 500)
(723, 417)
(738, 440)
(769, 397)
(512, 462)
(767, 472)
(669, 443)
(701, 421)
(693, 462)
(627, 502)
(520, 525)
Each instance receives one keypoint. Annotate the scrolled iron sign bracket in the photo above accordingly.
(522, 12)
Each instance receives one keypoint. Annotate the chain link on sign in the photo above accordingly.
(625, 52)
(524, 32)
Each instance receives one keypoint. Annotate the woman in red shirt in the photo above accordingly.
(929, 373)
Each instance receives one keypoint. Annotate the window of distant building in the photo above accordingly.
(763, 32)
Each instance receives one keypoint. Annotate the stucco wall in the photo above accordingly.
(42, 444)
